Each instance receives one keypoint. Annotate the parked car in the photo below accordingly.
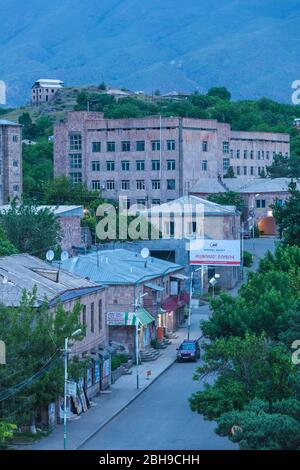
(246, 234)
(189, 350)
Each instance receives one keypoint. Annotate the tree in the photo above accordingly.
(220, 92)
(62, 190)
(102, 86)
(6, 432)
(6, 248)
(37, 168)
(34, 337)
(31, 229)
(288, 217)
(229, 198)
(230, 173)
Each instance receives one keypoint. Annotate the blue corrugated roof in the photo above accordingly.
(74, 294)
(4, 122)
(118, 267)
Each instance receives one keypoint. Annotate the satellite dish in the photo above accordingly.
(50, 255)
(64, 256)
(145, 253)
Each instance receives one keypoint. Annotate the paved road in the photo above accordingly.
(161, 418)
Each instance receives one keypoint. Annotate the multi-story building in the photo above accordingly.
(44, 90)
(10, 160)
(153, 159)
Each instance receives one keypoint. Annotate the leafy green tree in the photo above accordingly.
(62, 190)
(229, 198)
(37, 168)
(6, 433)
(30, 229)
(220, 92)
(288, 217)
(6, 248)
(34, 338)
(230, 173)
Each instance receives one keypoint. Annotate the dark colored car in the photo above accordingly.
(189, 350)
(246, 235)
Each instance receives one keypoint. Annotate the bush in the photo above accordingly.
(115, 362)
(123, 358)
(247, 259)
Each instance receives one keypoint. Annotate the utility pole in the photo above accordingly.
(65, 392)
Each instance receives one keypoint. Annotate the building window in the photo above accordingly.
(262, 154)
(84, 315)
(245, 170)
(110, 165)
(258, 154)
(96, 147)
(125, 146)
(260, 203)
(140, 165)
(95, 166)
(171, 185)
(155, 184)
(267, 155)
(16, 187)
(155, 145)
(225, 164)
(204, 165)
(238, 170)
(171, 164)
(111, 146)
(204, 146)
(251, 154)
(225, 147)
(125, 185)
(155, 165)
(75, 161)
(15, 163)
(170, 145)
(274, 153)
(76, 177)
(140, 185)
(75, 142)
(245, 154)
(140, 146)
(252, 170)
(155, 202)
(15, 138)
(141, 203)
(110, 185)
(100, 315)
(96, 185)
(92, 317)
(238, 153)
(125, 165)
(231, 153)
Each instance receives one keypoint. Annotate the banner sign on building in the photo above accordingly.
(215, 252)
(121, 318)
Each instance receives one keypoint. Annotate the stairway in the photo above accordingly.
(149, 354)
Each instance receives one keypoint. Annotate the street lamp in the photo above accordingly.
(66, 352)
(213, 282)
(191, 295)
(136, 307)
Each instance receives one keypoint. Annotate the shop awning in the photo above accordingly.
(180, 276)
(129, 318)
(144, 316)
(154, 287)
(104, 354)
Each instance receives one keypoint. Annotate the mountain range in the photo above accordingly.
(249, 46)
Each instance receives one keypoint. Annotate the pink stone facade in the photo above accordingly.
(10, 161)
(70, 232)
(152, 160)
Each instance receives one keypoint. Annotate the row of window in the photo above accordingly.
(126, 164)
(75, 143)
(260, 154)
(245, 170)
(109, 185)
(92, 316)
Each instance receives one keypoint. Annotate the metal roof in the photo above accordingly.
(111, 267)
(5, 122)
(59, 211)
(22, 271)
(242, 185)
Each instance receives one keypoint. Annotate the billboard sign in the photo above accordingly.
(121, 318)
(215, 252)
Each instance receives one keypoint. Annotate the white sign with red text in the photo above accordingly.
(215, 252)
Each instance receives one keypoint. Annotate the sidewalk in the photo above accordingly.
(108, 405)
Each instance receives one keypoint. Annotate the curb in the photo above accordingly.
(122, 408)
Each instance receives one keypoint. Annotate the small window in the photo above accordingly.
(262, 154)
(155, 184)
(155, 145)
(125, 146)
(95, 166)
(155, 202)
(238, 153)
(251, 154)
(258, 154)
(171, 165)
(251, 170)
(140, 185)
(125, 165)
(225, 164)
(267, 155)
(96, 185)
(76, 177)
(140, 165)
(75, 161)
(245, 154)
(204, 146)
(238, 170)
(100, 315)
(170, 145)
(155, 165)
(111, 146)
(141, 203)
(15, 138)
(125, 185)
(245, 170)
(140, 146)
(15, 163)
(225, 147)
(110, 165)
(75, 142)
(171, 185)
(204, 165)
(110, 185)
(16, 187)
(84, 315)
(96, 147)
(92, 317)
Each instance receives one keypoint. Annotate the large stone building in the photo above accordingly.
(10, 160)
(153, 159)
(44, 90)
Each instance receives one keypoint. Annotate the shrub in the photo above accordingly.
(115, 363)
(247, 259)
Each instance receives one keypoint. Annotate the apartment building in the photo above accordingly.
(153, 160)
(44, 90)
(10, 160)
